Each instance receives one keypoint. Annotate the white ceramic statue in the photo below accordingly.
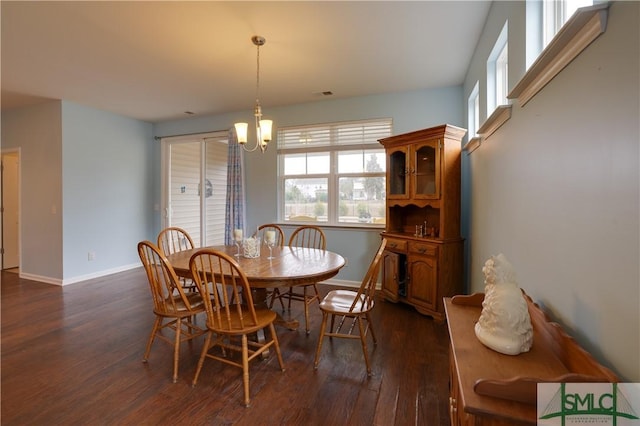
(504, 324)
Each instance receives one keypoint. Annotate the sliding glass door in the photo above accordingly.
(194, 185)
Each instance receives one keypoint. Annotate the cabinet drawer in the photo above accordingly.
(399, 246)
(423, 248)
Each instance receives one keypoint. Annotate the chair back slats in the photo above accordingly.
(168, 295)
(272, 227)
(173, 239)
(309, 236)
(367, 290)
(225, 290)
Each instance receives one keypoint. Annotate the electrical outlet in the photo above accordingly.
(91, 255)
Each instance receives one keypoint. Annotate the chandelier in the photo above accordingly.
(263, 127)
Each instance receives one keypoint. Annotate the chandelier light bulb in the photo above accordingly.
(241, 132)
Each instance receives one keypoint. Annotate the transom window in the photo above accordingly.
(473, 110)
(498, 72)
(333, 173)
(555, 13)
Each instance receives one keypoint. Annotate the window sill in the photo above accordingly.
(325, 225)
(472, 145)
(501, 114)
(577, 33)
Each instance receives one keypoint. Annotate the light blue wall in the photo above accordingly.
(36, 131)
(556, 188)
(88, 182)
(409, 111)
(109, 183)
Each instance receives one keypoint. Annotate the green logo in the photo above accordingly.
(590, 405)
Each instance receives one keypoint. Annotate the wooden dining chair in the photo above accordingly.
(352, 308)
(231, 314)
(173, 307)
(172, 240)
(309, 236)
(262, 229)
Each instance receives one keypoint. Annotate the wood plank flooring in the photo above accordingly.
(72, 355)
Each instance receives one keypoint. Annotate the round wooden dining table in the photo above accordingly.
(290, 267)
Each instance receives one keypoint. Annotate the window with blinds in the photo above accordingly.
(333, 173)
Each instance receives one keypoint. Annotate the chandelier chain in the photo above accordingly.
(258, 76)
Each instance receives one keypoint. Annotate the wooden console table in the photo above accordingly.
(490, 388)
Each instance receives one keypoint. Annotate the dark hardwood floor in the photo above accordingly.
(72, 355)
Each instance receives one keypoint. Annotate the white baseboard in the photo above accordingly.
(100, 274)
(40, 278)
(67, 281)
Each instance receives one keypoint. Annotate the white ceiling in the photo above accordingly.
(155, 60)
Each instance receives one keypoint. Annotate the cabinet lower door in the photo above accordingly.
(390, 275)
(423, 284)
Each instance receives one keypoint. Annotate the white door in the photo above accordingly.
(10, 210)
(194, 186)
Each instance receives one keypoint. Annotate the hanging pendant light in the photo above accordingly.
(263, 127)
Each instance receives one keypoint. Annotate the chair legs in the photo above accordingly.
(276, 344)
(154, 330)
(246, 357)
(190, 332)
(203, 355)
(290, 294)
(362, 335)
(307, 301)
(323, 325)
(245, 369)
(370, 324)
(363, 340)
(176, 350)
(275, 294)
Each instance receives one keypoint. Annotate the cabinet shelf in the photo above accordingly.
(415, 203)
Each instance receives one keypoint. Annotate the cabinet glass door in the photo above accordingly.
(397, 174)
(427, 171)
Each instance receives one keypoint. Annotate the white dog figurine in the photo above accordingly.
(504, 324)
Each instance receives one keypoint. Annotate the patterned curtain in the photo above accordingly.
(234, 213)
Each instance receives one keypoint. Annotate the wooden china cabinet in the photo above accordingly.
(422, 262)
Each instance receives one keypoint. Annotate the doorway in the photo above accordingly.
(10, 210)
(194, 185)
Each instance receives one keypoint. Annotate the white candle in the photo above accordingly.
(237, 234)
(270, 236)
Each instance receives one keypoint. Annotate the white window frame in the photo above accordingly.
(377, 129)
(555, 13)
(502, 75)
(473, 111)
(498, 71)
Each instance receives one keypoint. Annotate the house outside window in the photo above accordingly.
(333, 173)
